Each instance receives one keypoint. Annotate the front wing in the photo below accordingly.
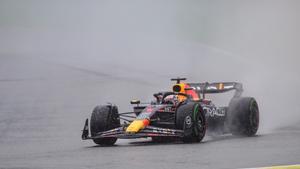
(120, 132)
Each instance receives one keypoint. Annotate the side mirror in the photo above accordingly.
(135, 102)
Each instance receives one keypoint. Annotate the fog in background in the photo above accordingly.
(61, 58)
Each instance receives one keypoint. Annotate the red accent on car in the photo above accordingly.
(152, 134)
(192, 93)
(146, 122)
(149, 109)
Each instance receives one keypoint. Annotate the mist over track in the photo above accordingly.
(59, 59)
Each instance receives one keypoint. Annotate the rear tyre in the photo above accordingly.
(243, 116)
(104, 118)
(190, 118)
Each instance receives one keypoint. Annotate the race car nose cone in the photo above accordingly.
(135, 126)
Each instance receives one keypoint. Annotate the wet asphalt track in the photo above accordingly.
(43, 107)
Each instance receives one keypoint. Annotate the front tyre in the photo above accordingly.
(104, 118)
(190, 118)
(243, 116)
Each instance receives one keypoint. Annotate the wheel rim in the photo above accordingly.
(200, 125)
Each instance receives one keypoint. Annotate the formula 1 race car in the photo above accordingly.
(183, 114)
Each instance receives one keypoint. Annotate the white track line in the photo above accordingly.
(296, 166)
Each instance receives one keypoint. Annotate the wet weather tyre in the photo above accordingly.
(243, 116)
(190, 118)
(104, 118)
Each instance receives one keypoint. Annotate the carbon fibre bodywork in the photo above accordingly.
(160, 117)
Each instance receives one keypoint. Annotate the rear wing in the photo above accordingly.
(220, 87)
